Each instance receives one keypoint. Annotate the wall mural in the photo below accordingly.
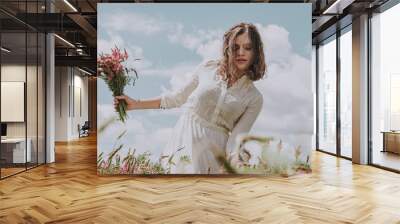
(204, 89)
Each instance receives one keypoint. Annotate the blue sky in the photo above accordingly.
(209, 16)
(171, 39)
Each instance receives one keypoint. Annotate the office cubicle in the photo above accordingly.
(22, 101)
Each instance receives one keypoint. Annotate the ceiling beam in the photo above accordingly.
(84, 24)
(337, 7)
(78, 61)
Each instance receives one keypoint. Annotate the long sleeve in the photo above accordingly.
(244, 124)
(179, 97)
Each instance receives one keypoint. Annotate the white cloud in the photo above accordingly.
(210, 50)
(107, 111)
(140, 23)
(104, 45)
(287, 90)
(205, 43)
(178, 69)
(178, 75)
(136, 57)
(139, 133)
(276, 43)
(180, 78)
(154, 142)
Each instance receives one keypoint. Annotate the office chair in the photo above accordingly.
(84, 130)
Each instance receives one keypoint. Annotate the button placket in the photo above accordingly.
(220, 101)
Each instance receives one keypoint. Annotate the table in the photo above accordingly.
(391, 141)
(13, 150)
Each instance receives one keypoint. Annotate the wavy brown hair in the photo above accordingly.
(226, 65)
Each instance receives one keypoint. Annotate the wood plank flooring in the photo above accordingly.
(10, 171)
(387, 159)
(69, 191)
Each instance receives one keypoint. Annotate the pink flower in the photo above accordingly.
(125, 168)
(110, 66)
(103, 165)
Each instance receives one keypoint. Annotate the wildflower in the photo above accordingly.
(115, 74)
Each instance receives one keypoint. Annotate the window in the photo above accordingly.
(346, 92)
(327, 95)
(22, 74)
(385, 88)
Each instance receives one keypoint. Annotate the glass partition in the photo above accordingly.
(346, 92)
(22, 77)
(31, 98)
(13, 95)
(385, 89)
(41, 96)
(327, 95)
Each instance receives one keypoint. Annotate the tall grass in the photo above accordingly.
(271, 160)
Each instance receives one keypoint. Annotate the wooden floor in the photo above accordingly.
(5, 172)
(70, 191)
(387, 159)
(10, 171)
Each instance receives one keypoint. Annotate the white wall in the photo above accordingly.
(61, 114)
(79, 104)
(33, 127)
(70, 83)
(14, 73)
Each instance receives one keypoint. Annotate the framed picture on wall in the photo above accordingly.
(12, 101)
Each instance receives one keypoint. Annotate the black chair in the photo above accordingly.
(84, 130)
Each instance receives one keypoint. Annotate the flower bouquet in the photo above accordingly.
(116, 76)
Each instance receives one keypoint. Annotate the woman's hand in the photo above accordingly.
(131, 103)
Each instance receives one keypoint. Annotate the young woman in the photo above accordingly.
(220, 101)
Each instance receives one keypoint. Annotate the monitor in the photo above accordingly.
(3, 129)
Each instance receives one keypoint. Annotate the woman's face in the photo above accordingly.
(244, 52)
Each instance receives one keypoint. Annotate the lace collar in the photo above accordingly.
(242, 82)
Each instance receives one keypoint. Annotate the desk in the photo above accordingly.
(15, 148)
(391, 141)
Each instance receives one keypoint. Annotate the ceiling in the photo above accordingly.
(76, 22)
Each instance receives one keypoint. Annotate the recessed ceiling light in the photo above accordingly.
(70, 5)
(86, 72)
(5, 50)
(338, 6)
(64, 40)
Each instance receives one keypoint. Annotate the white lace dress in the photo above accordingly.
(213, 117)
